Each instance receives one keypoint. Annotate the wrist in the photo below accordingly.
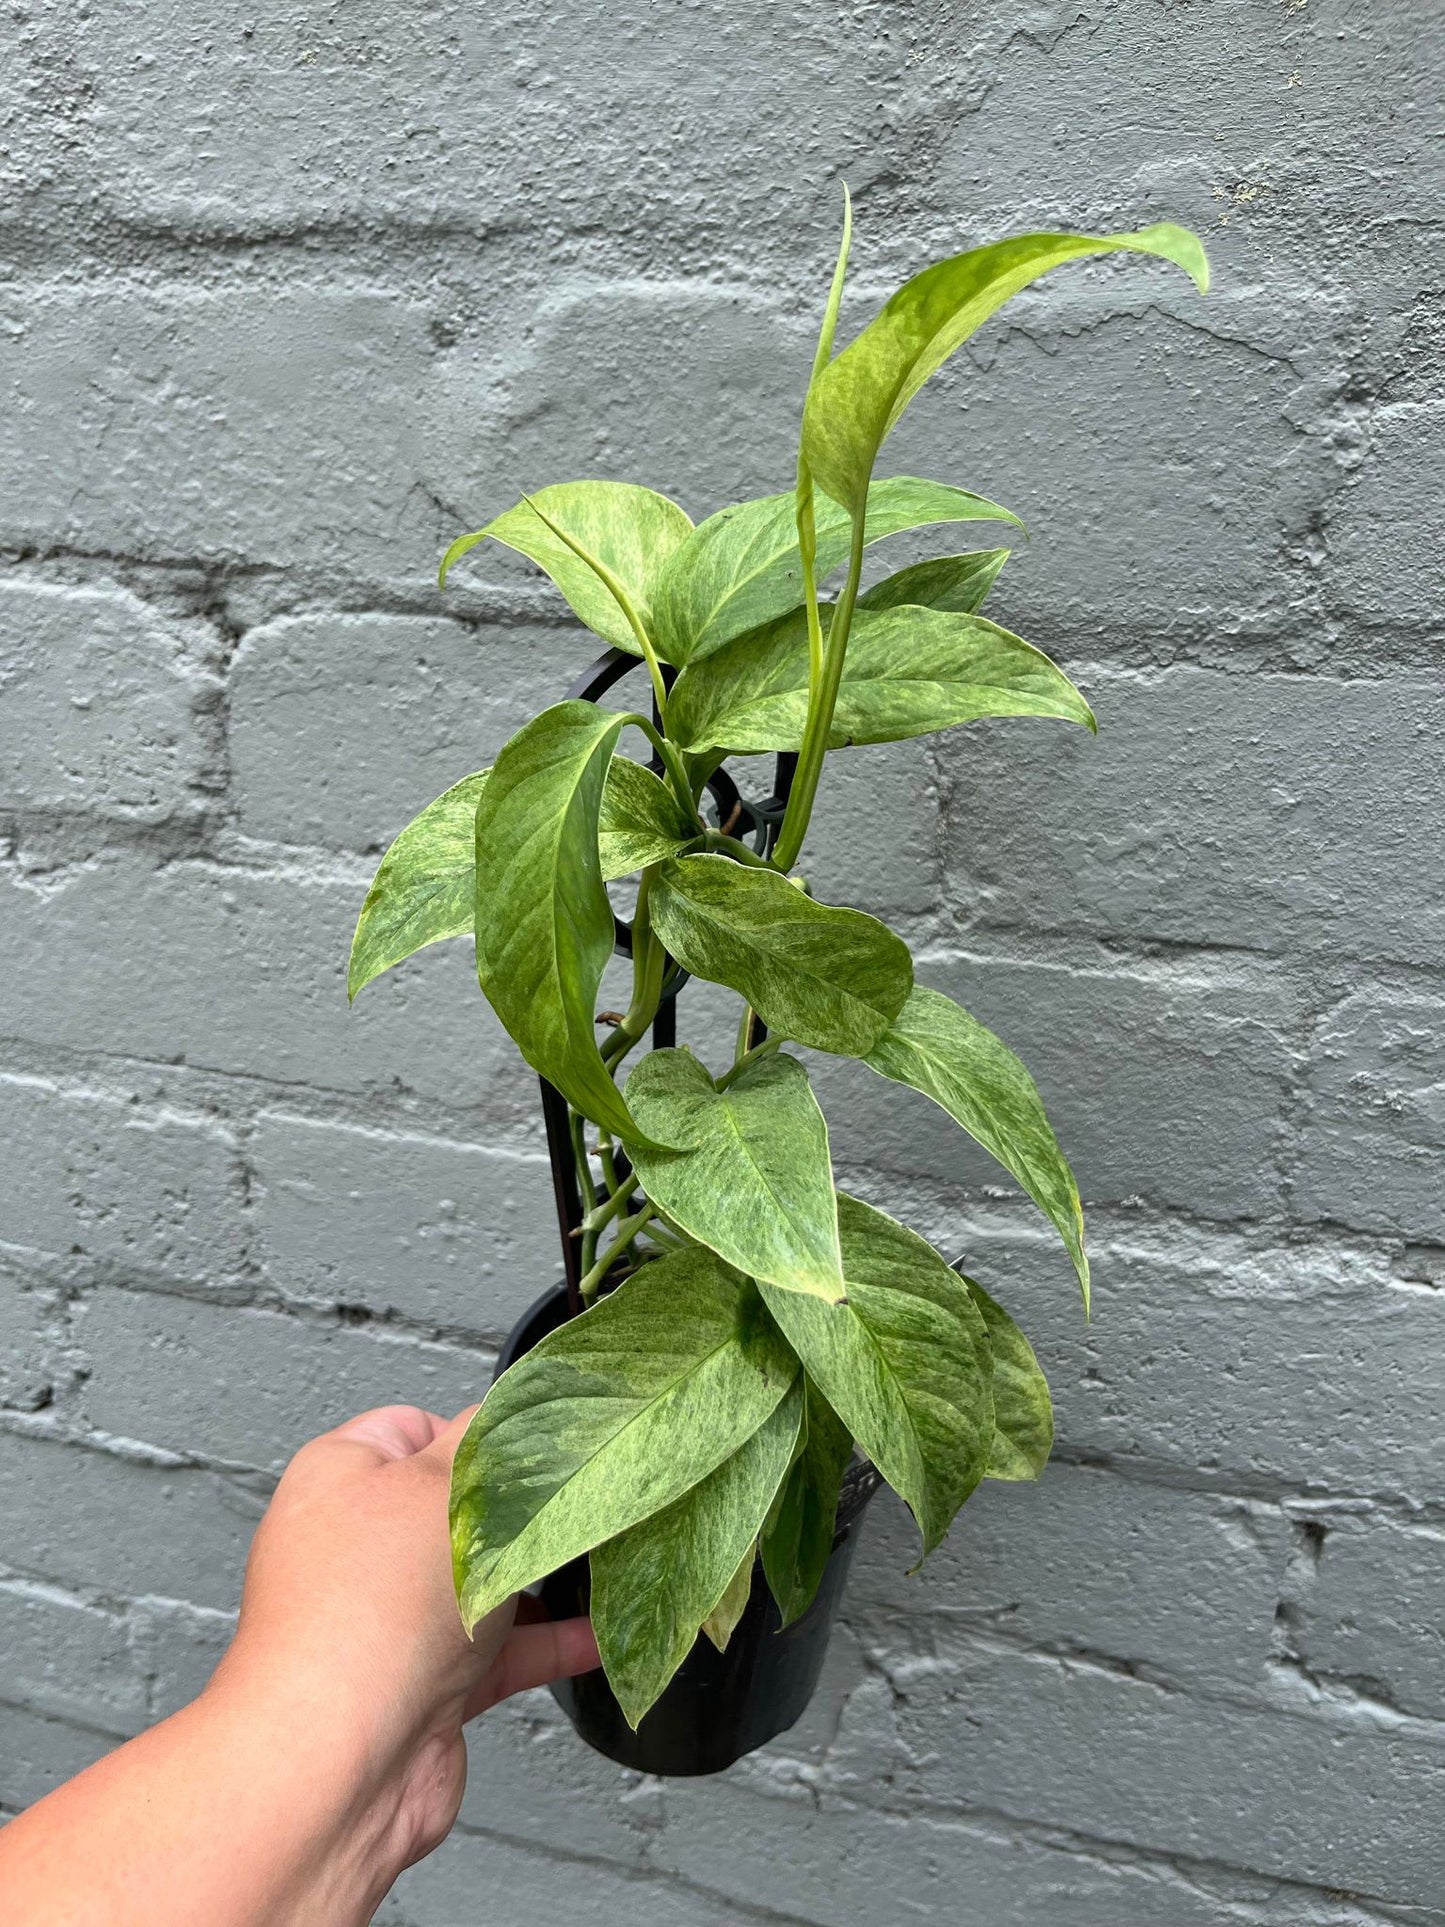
(318, 1784)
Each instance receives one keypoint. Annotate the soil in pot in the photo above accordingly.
(718, 1706)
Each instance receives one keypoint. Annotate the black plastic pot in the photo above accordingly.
(718, 1706)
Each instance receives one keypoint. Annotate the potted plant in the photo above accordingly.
(737, 1343)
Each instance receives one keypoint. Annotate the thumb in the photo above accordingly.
(449, 1436)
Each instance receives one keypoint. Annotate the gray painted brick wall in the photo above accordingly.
(287, 299)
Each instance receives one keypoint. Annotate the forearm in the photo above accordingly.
(225, 1813)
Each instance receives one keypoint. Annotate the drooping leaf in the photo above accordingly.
(609, 1420)
(655, 1585)
(1023, 1413)
(425, 887)
(722, 1622)
(904, 1362)
(938, 1048)
(908, 671)
(741, 567)
(857, 399)
(630, 530)
(544, 926)
(641, 821)
(955, 582)
(751, 1178)
(798, 1536)
(830, 978)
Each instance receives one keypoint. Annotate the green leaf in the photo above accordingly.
(955, 582)
(798, 1537)
(543, 923)
(830, 978)
(751, 1177)
(1023, 1413)
(641, 821)
(425, 887)
(630, 530)
(741, 567)
(904, 1362)
(857, 399)
(655, 1585)
(938, 1048)
(908, 671)
(609, 1420)
(722, 1622)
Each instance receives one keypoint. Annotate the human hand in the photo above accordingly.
(348, 1615)
(326, 1754)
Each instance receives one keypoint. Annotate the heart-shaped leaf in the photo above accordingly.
(751, 1177)
(908, 671)
(741, 567)
(630, 530)
(798, 1537)
(425, 887)
(857, 399)
(904, 1361)
(830, 978)
(656, 1584)
(641, 821)
(610, 1419)
(935, 1046)
(955, 582)
(1023, 1413)
(544, 926)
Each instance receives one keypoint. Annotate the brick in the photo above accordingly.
(102, 711)
(1038, 411)
(323, 427)
(67, 1660)
(616, 129)
(244, 971)
(175, 1531)
(248, 1386)
(311, 695)
(1224, 1359)
(813, 1857)
(98, 1177)
(520, 1881)
(1373, 1132)
(30, 1342)
(531, 1778)
(277, 424)
(1101, 1753)
(1136, 1063)
(873, 840)
(1358, 79)
(1179, 1584)
(1211, 809)
(450, 1234)
(1368, 1612)
(38, 1754)
(1381, 567)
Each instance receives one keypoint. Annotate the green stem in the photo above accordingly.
(626, 1232)
(717, 844)
(599, 1218)
(577, 1125)
(672, 761)
(820, 712)
(765, 1049)
(649, 963)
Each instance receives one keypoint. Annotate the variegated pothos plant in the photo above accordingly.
(746, 1323)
